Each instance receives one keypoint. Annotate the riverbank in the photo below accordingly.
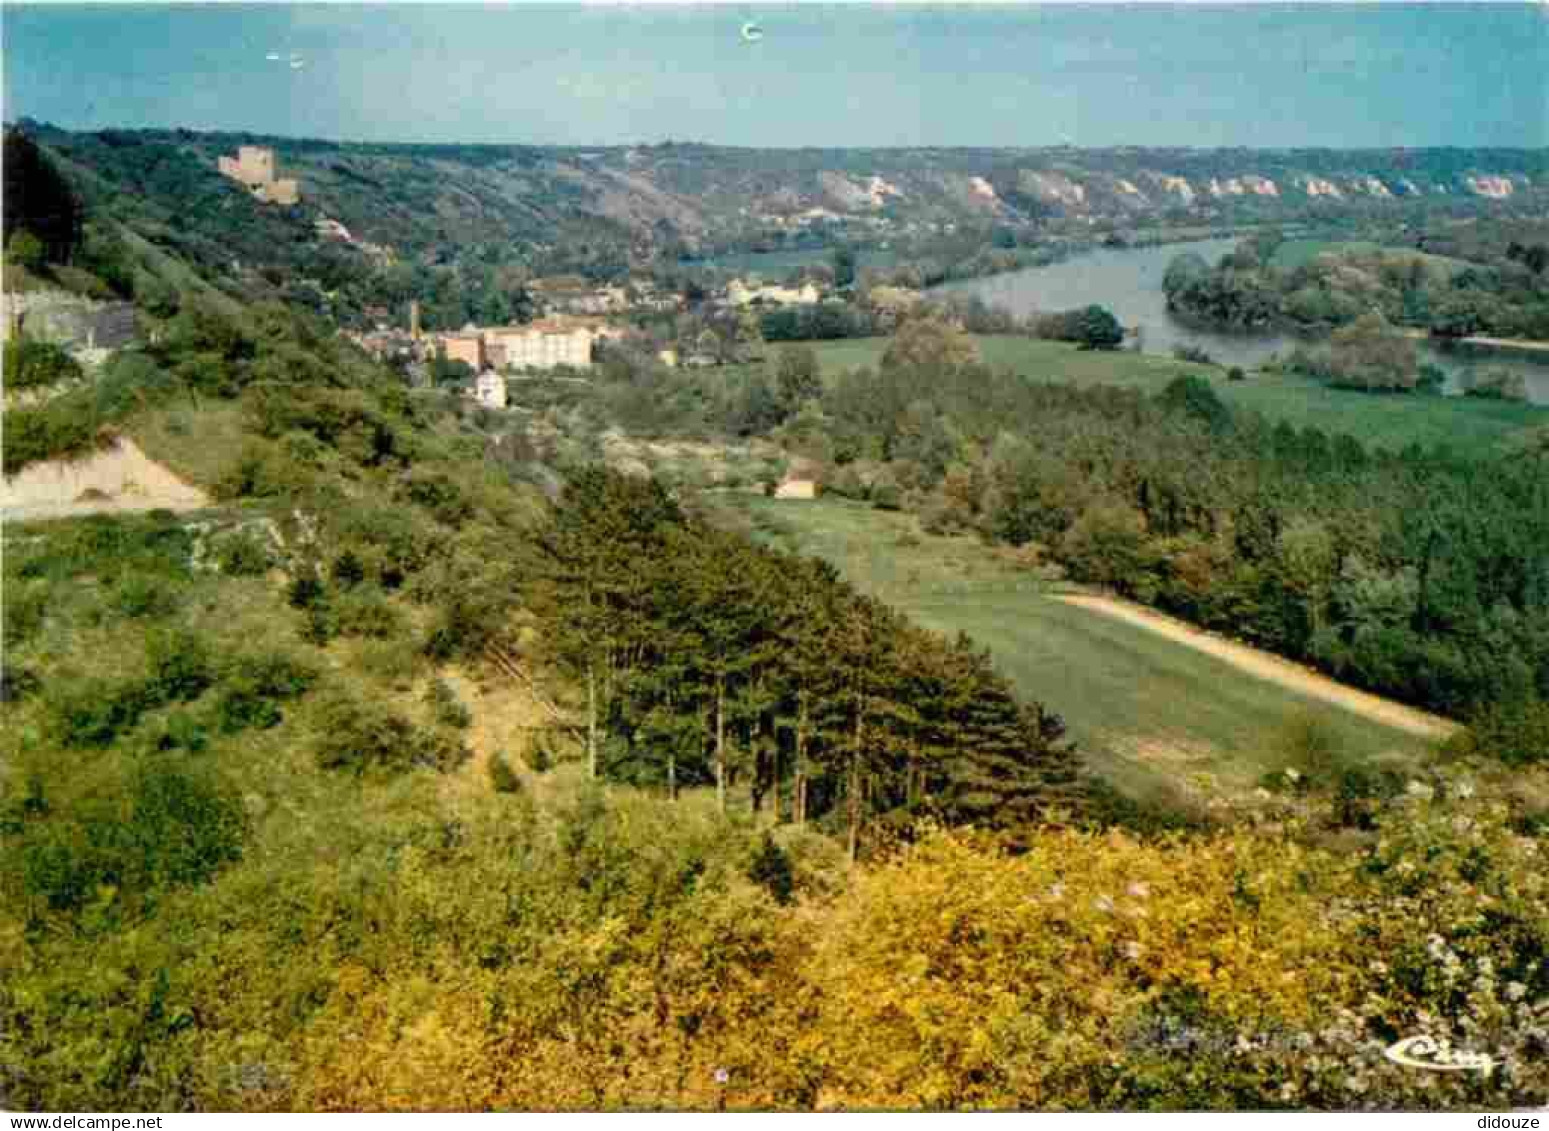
(1528, 345)
(1128, 282)
(1058, 250)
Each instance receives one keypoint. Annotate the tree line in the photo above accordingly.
(1419, 574)
(707, 659)
(1252, 288)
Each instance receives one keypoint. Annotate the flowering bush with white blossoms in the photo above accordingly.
(1245, 970)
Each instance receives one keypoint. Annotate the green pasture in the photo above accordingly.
(1161, 722)
(1390, 420)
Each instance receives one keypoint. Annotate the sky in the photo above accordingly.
(970, 74)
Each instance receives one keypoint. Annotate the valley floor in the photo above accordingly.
(1269, 667)
(1165, 714)
(1465, 424)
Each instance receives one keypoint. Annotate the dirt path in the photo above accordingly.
(1483, 340)
(1272, 668)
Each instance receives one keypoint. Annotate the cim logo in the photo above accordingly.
(1436, 1056)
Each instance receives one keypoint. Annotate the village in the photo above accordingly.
(576, 319)
(578, 324)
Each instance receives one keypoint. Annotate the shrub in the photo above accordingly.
(348, 570)
(184, 827)
(17, 682)
(1311, 748)
(304, 448)
(26, 251)
(365, 611)
(263, 471)
(171, 828)
(394, 661)
(1360, 793)
(358, 735)
(240, 554)
(240, 707)
(770, 868)
(502, 776)
(320, 626)
(445, 707)
(1432, 381)
(1236, 373)
(179, 730)
(438, 495)
(1515, 733)
(94, 713)
(24, 607)
(1498, 385)
(33, 364)
(131, 380)
(253, 688)
(393, 543)
(139, 597)
(1097, 329)
(180, 667)
(1194, 396)
(540, 755)
(461, 628)
(64, 426)
(305, 591)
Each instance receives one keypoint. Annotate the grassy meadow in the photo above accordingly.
(1390, 421)
(1300, 252)
(1162, 723)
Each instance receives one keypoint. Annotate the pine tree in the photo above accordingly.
(39, 200)
(1010, 768)
(605, 530)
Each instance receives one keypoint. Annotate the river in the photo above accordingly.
(1128, 281)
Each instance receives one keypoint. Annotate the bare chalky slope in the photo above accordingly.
(115, 477)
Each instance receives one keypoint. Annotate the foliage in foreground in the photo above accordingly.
(622, 957)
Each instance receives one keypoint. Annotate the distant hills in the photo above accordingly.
(462, 227)
(698, 194)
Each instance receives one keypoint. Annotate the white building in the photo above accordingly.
(490, 389)
(797, 489)
(739, 293)
(543, 345)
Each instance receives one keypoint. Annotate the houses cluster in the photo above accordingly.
(496, 352)
(740, 294)
(573, 295)
(570, 295)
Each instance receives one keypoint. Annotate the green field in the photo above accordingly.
(1163, 723)
(1392, 421)
(1298, 253)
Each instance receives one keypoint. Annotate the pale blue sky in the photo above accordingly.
(855, 74)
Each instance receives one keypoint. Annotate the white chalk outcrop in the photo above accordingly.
(115, 477)
(1497, 188)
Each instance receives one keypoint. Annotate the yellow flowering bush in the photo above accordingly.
(611, 953)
